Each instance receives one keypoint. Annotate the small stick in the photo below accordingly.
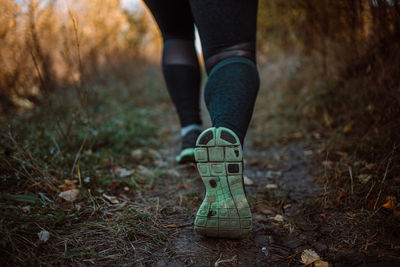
(351, 180)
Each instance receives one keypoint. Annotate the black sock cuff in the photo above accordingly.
(231, 60)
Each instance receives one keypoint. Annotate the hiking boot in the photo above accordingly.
(225, 211)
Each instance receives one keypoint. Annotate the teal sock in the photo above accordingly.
(230, 94)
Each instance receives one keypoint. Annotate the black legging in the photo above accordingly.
(227, 30)
(222, 24)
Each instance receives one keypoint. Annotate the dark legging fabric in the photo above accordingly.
(227, 30)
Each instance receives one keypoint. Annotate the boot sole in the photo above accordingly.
(225, 211)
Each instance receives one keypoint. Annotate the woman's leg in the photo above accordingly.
(228, 33)
(180, 64)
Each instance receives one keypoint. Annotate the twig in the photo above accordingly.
(77, 156)
(384, 176)
(219, 261)
(351, 181)
(370, 190)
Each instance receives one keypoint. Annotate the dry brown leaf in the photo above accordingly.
(309, 256)
(66, 187)
(321, 264)
(364, 178)
(390, 204)
(247, 181)
(347, 128)
(370, 166)
(112, 199)
(70, 195)
(278, 218)
(172, 225)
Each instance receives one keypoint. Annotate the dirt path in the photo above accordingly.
(285, 183)
(288, 216)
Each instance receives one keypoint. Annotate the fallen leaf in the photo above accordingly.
(112, 199)
(370, 166)
(70, 195)
(390, 204)
(277, 218)
(44, 235)
(172, 225)
(364, 178)
(271, 186)
(321, 264)
(347, 128)
(66, 187)
(122, 172)
(247, 181)
(328, 120)
(309, 256)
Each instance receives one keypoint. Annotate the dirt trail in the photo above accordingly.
(286, 220)
(287, 217)
(270, 241)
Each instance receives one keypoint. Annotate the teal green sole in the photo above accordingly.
(186, 156)
(225, 211)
